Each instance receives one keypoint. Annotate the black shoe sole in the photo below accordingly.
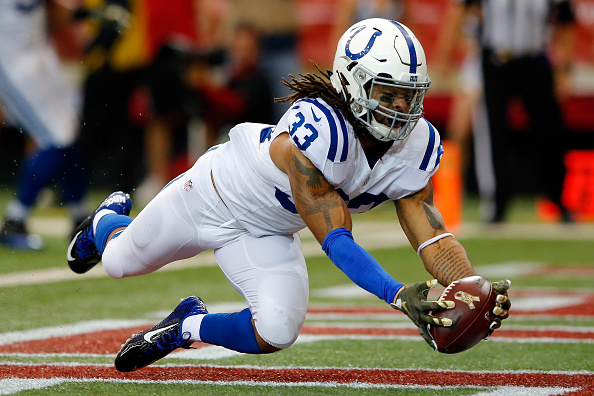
(76, 265)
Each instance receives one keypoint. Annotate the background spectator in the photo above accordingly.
(351, 11)
(241, 94)
(515, 64)
(135, 92)
(277, 22)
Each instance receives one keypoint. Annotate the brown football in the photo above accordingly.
(471, 317)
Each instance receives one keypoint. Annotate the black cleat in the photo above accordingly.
(153, 344)
(82, 254)
(14, 235)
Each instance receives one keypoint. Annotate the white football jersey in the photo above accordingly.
(22, 24)
(259, 195)
(34, 92)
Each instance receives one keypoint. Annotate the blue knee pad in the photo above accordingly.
(106, 225)
(230, 330)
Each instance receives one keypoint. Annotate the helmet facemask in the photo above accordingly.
(389, 108)
(379, 54)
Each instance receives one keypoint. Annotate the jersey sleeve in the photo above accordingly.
(423, 150)
(323, 136)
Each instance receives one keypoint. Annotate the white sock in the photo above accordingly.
(15, 210)
(98, 217)
(191, 325)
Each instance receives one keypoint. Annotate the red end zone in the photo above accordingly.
(573, 383)
(108, 342)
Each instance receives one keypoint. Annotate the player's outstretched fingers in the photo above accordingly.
(441, 322)
(495, 324)
(424, 330)
(502, 306)
(502, 286)
(503, 302)
(500, 312)
(437, 306)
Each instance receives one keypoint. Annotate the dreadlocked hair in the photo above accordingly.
(314, 85)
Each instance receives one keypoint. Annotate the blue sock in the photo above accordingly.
(230, 330)
(39, 170)
(106, 225)
(72, 175)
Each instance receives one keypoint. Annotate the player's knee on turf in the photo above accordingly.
(278, 327)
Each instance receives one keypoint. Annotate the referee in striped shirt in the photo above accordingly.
(514, 39)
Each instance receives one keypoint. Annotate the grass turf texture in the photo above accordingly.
(90, 298)
(153, 296)
(218, 390)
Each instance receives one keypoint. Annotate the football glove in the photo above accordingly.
(502, 305)
(412, 300)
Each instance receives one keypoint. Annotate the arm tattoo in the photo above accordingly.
(313, 196)
(315, 178)
(432, 214)
(451, 264)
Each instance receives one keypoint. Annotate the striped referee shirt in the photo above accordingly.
(520, 27)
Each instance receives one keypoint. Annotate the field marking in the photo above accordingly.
(103, 338)
(60, 226)
(576, 304)
(12, 386)
(371, 235)
(9, 386)
(494, 382)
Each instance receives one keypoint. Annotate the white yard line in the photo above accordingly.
(371, 235)
(14, 385)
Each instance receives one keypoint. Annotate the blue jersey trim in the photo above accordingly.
(345, 135)
(429, 149)
(411, 47)
(439, 153)
(333, 131)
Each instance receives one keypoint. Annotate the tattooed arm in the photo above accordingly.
(328, 218)
(445, 259)
(320, 206)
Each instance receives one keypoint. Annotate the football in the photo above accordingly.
(475, 299)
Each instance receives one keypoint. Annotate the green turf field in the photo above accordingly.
(61, 331)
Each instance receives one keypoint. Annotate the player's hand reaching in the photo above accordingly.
(412, 300)
(502, 305)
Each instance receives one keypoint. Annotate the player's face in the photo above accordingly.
(393, 98)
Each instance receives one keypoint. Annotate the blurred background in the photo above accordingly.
(158, 82)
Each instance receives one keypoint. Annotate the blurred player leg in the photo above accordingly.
(38, 99)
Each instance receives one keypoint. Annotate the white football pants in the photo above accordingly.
(186, 218)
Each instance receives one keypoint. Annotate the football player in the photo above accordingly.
(36, 98)
(352, 138)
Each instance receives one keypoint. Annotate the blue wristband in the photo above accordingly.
(359, 265)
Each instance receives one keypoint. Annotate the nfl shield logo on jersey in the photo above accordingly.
(188, 185)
